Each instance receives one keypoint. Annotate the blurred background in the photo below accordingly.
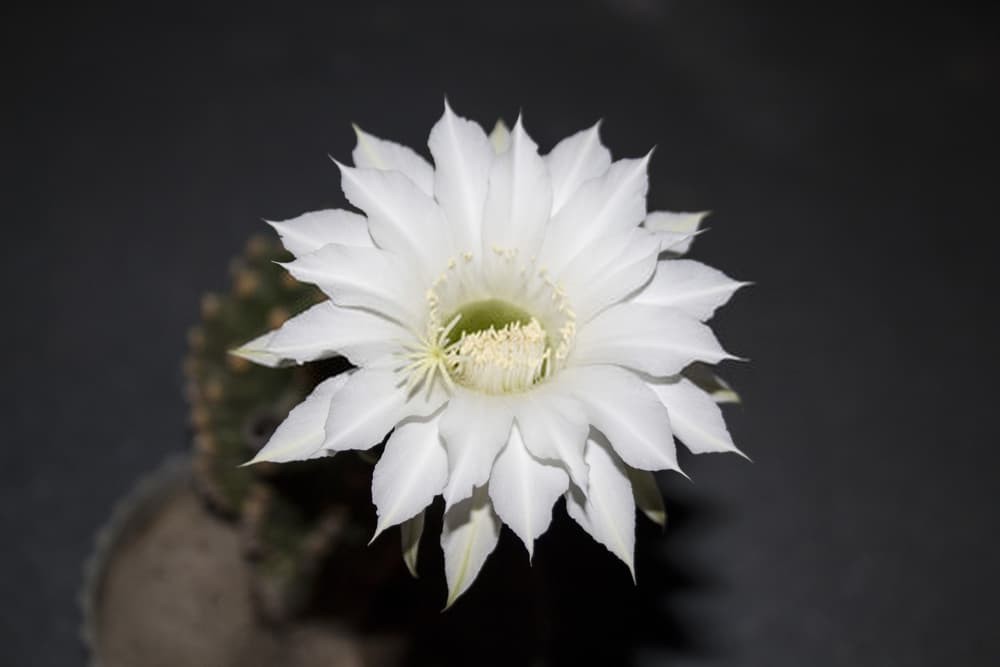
(849, 156)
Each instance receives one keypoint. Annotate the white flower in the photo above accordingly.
(519, 323)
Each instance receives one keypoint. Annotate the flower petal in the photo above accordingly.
(554, 428)
(628, 413)
(706, 380)
(311, 231)
(650, 339)
(689, 286)
(647, 496)
(628, 271)
(301, 435)
(523, 490)
(676, 230)
(475, 427)
(519, 198)
(462, 158)
(325, 330)
(607, 511)
(369, 406)
(410, 532)
(411, 471)
(401, 218)
(374, 153)
(500, 137)
(574, 161)
(363, 278)
(470, 534)
(696, 418)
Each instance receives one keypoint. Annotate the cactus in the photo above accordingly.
(292, 516)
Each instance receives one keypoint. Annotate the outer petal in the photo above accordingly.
(610, 204)
(411, 471)
(500, 137)
(523, 490)
(626, 410)
(658, 341)
(676, 230)
(311, 231)
(401, 218)
(363, 278)
(475, 427)
(470, 534)
(554, 428)
(369, 405)
(519, 197)
(647, 496)
(608, 510)
(374, 153)
(301, 435)
(410, 532)
(326, 330)
(705, 379)
(574, 161)
(462, 158)
(689, 286)
(695, 417)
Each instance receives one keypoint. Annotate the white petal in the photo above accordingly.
(401, 218)
(523, 490)
(325, 330)
(626, 410)
(689, 286)
(301, 435)
(411, 471)
(575, 160)
(470, 534)
(608, 510)
(364, 278)
(410, 532)
(475, 427)
(611, 204)
(374, 153)
(647, 496)
(256, 351)
(696, 418)
(554, 428)
(650, 339)
(500, 137)
(519, 198)
(627, 272)
(462, 158)
(369, 406)
(676, 230)
(312, 231)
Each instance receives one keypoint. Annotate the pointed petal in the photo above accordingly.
(696, 418)
(706, 380)
(363, 278)
(625, 273)
(374, 153)
(608, 510)
(301, 435)
(470, 534)
(627, 412)
(647, 496)
(500, 137)
(411, 471)
(519, 197)
(650, 339)
(574, 161)
(462, 158)
(402, 219)
(523, 490)
(311, 231)
(554, 428)
(689, 286)
(410, 532)
(475, 427)
(676, 230)
(326, 330)
(611, 204)
(369, 406)
(256, 351)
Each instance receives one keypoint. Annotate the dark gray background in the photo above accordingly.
(849, 155)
